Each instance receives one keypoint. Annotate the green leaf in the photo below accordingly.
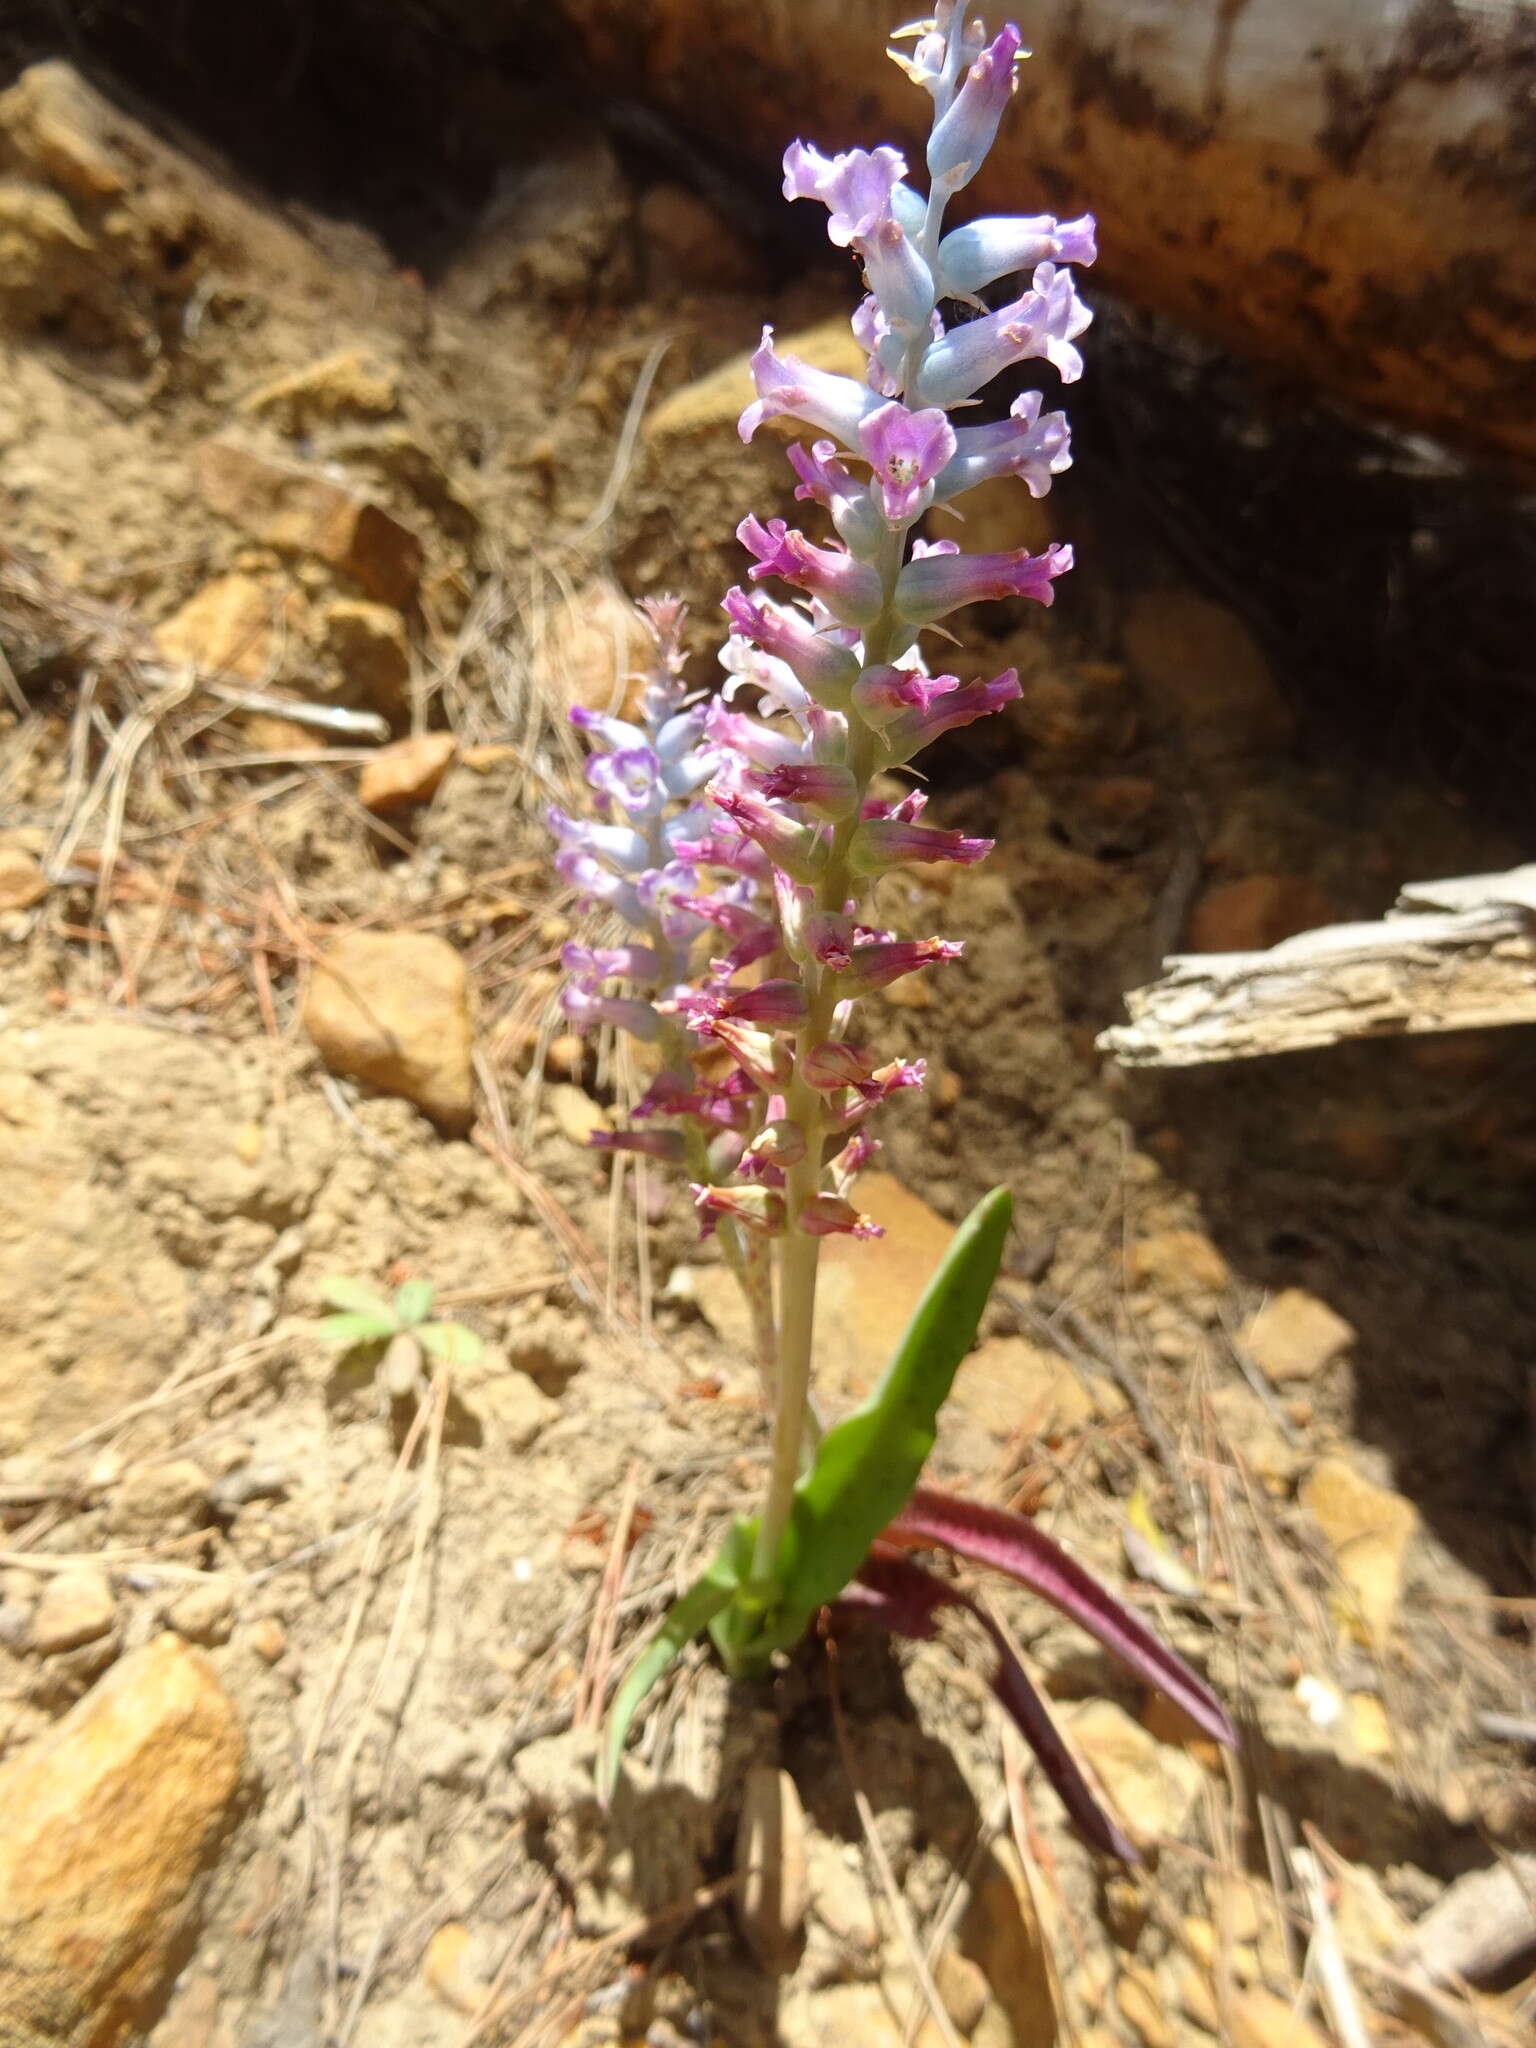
(356, 1328)
(870, 1461)
(357, 1297)
(686, 1618)
(453, 1343)
(413, 1302)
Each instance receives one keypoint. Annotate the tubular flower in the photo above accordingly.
(735, 836)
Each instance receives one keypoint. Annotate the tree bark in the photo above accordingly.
(1342, 189)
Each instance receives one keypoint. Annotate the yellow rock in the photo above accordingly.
(594, 652)
(1009, 1384)
(868, 1289)
(1256, 2018)
(348, 383)
(716, 402)
(577, 1114)
(310, 511)
(21, 879)
(236, 626)
(1001, 1932)
(1203, 663)
(1151, 1785)
(1368, 1529)
(76, 1607)
(1295, 1336)
(392, 1010)
(1180, 1264)
(1369, 1725)
(369, 642)
(111, 1818)
(406, 773)
(1142, 2006)
(443, 1966)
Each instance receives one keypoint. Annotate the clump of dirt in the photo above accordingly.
(270, 500)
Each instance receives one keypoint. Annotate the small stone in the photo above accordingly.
(159, 1500)
(348, 384)
(407, 773)
(269, 1639)
(392, 1010)
(773, 1888)
(234, 626)
(504, 1400)
(1369, 1725)
(1001, 1932)
(1256, 2018)
(840, 1898)
(1201, 660)
(48, 117)
(867, 1290)
(444, 1968)
(1368, 1529)
(204, 1613)
(1255, 1437)
(112, 1818)
(715, 402)
(1295, 1336)
(1014, 1384)
(576, 1113)
(963, 1987)
(46, 257)
(1151, 1785)
(309, 511)
(1256, 912)
(1198, 1997)
(22, 882)
(368, 641)
(567, 1054)
(1141, 2006)
(594, 652)
(1182, 1264)
(76, 1607)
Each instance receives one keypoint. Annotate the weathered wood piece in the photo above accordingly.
(1450, 956)
(1341, 188)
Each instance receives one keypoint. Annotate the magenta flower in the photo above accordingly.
(887, 960)
(756, 1207)
(906, 450)
(882, 843)
(848, 588)
(826, 669)
(946, 711)
(800, 850)
(939, 584)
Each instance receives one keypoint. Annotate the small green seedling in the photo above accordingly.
(397, 1329)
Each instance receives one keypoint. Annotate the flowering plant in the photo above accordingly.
(759, 834)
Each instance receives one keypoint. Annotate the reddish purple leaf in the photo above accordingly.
(902, 1597)
(1010, 1544)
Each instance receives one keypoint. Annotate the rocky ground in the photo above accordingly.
(305, 558)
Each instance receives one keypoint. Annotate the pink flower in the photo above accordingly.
(1023, 445)
(757, 1208)
(906, 450)
(1045, 321)
(606, 963)
(882, 843)
(762, 1057)
(785, 384)
(800, 850)
(849, 588)
(834, 1215)
(836, 1064)
(855, 187)
(825, 668)
(937, 584)
(585, 1007)
(776, 1003)
(914, 730)
(982, 250)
